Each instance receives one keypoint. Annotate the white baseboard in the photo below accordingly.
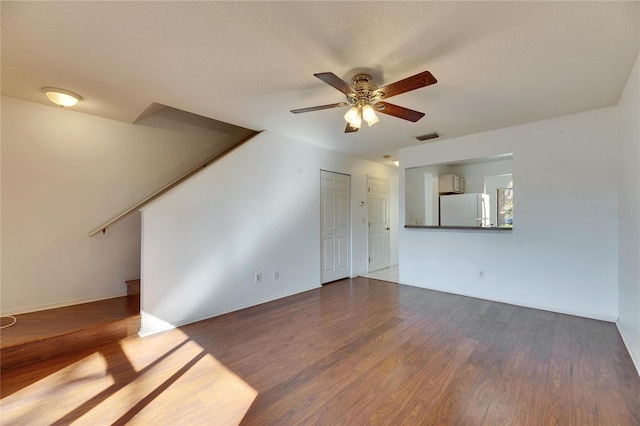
(61, 304)
(627, 343)
(144, 333)
(607, 318)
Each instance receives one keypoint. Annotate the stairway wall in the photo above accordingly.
(256, 210)
(64, 174)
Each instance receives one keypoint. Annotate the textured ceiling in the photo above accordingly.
(248, 63)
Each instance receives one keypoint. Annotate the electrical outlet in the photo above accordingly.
(481, 274)
(276, 274)
(258, 277)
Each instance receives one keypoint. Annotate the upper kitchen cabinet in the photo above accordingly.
(450, 184)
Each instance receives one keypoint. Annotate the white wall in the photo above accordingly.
(257, 210)
(64, 174)
(629, 221)
(562, 252)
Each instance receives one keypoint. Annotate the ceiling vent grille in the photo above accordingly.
(428, 136)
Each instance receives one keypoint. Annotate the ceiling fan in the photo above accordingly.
(365, 98)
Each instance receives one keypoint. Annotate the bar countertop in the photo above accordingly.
(463, 228)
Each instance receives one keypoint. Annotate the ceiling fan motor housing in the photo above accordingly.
(365, 90)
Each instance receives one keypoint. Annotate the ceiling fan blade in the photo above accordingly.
(318, 108)
(408, 84)
(350, 129)
(333, 80)
(398, 111)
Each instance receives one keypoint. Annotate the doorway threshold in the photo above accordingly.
(391, 274)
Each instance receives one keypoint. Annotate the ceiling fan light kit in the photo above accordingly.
(353, 117)
(360, 112)
(369, 115)
(365, 97)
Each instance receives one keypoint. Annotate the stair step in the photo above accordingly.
(133, 287)
(133, 291)
(41, 335)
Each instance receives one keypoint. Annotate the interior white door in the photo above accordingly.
(378, 201)
(335, 221)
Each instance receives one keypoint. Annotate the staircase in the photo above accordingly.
(42, 335)
(133, 293)
(46, 334)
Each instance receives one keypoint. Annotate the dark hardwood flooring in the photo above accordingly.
(44, 334)
(354, 352)
(54, 322)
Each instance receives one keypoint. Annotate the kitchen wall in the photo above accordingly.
(415, 196)
(257, 211)
(474, 174)
(64, 174)
(627, 214)
(562, 253)
(416, 202)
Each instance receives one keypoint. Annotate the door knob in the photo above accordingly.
(388, 229)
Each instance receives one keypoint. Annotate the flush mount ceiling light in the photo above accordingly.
(394, 162)
(60, 97)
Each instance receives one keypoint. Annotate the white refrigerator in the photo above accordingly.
(465, 210)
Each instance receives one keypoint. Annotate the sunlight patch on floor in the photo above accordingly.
(58, 389)
(139, 381)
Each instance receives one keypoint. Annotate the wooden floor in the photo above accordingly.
(354, 352)
(39, 335)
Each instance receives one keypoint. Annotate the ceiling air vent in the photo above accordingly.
(428, 136)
